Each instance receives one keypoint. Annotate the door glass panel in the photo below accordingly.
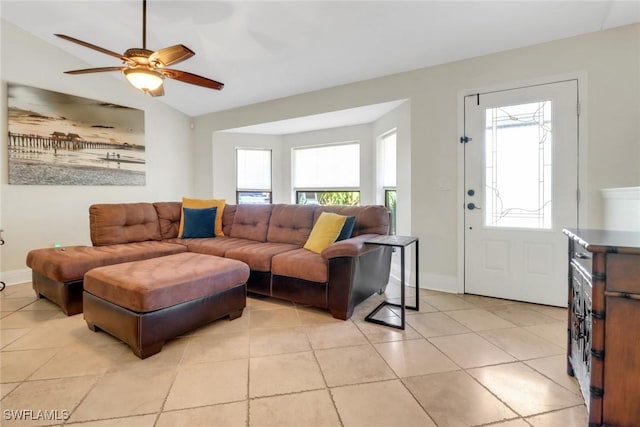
(517, 171)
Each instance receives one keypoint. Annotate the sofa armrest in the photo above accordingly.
(352, 247)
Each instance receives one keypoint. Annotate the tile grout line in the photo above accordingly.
(303, 327)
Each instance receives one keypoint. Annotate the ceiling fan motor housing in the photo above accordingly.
(141, 56)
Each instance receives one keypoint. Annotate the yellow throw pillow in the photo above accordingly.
(203, 203)
(325, 231)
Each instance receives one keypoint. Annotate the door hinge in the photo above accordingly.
(465, 139)
(596, 392)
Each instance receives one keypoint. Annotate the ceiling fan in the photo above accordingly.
(145, 69)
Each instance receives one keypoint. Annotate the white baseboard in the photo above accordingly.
(433, 282)
(427, 281)
(437, 282)
(15, 277)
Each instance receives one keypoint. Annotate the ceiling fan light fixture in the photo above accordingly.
(145, 69)
(143, 79)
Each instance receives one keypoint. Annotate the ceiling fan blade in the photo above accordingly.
(171, 55)
(193, 79)
(98, 48)
(95, 70)
(157, 92)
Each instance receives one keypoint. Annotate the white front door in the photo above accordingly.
(521, 162)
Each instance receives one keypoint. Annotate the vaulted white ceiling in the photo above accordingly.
(264, 50)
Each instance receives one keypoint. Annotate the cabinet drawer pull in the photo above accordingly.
(617, 294)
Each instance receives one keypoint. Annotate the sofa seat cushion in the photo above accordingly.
(258, 257)
(301, 264)
(72, 262)
(217, 246)
(157, 283)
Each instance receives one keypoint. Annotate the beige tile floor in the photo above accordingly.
(463, 360)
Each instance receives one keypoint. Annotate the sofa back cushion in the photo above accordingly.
(111, 224)
(370, 219)
(251, 222)
(227, 218)
(169, 218)
(290, 224)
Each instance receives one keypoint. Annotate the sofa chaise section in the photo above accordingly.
(119, 232)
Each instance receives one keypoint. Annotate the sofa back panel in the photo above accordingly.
(251, 222)
(169, 214)
(290, 224)
(370, 219)
(111, 224)
(227, 218)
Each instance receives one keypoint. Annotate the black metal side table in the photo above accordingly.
(2, 285)
(399, 242)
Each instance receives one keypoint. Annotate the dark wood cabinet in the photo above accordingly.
(603, 348)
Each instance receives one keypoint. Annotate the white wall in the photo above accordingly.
(34, 216)
(224, 144)
(400, 120)
(609, 60)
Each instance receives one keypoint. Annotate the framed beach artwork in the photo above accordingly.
(60, 139)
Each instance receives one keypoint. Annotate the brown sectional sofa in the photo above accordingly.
(268, 238)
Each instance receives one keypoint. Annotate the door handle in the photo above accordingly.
(471, 206)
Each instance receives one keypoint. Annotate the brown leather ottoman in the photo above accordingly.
(145, 303)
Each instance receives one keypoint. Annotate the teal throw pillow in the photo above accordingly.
(347, 228)
(199, 222)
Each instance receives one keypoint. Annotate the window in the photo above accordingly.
(388, 142)
(328, 198)
(390, 201)
(253, 176)
(518, 148)
(328, 174)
